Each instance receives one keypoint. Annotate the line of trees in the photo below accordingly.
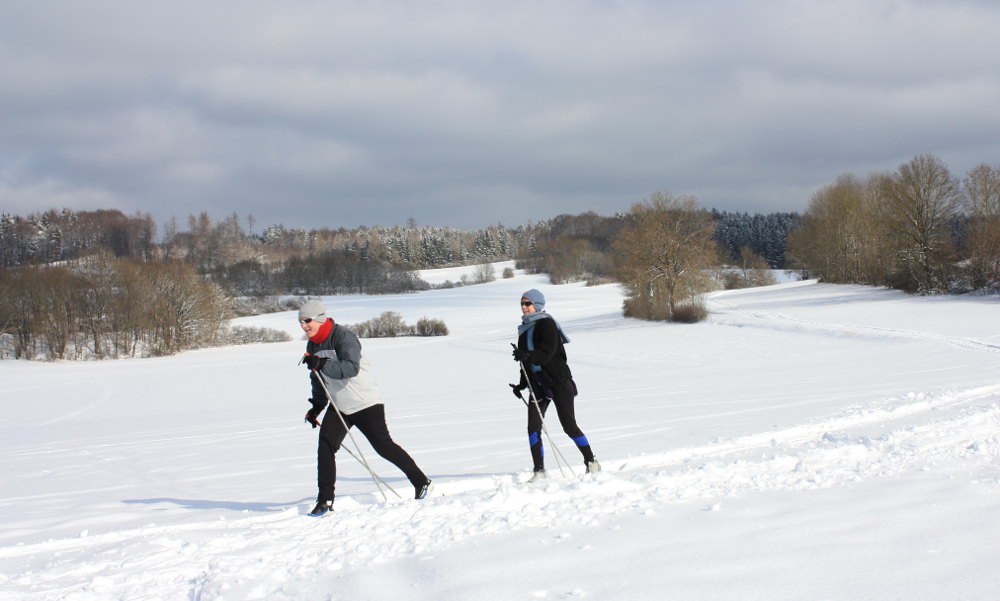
(666, 252)
(212, 246)
(573, 248)
(918, 229)
(54, 236)
(97, 284)
(75, 284)
(333, 271)
(106, 307)
(76, 290)
(568, 247)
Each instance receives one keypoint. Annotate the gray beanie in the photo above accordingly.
(536, 297)
(312, 310)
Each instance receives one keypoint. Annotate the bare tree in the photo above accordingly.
(131, 312)
(97, 297)
(982, 201)
(484, 273)
(923, 200)
(17, 308)
(57, 308)
(982, 191)
(843, 236)
(187, 311)
(662, 255)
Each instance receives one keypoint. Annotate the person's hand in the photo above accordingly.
(312, 416)
(520, 355)
(313, 362)
(517, 389)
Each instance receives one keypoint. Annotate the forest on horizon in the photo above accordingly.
(106, 282)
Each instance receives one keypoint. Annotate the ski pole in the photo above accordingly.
(541, 418)
(360, 456)
(351, 453)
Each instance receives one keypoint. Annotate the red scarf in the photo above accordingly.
(324, 332)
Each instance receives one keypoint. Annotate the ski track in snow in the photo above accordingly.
(229, 558)
(861, 330)
(778, 320)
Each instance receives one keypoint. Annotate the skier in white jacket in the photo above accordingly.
(334, 353)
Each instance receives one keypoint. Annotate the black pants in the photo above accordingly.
(371, 422)
(563, 399)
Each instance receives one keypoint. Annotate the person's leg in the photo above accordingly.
(371, 422)
(535, 433)
(566, 410)
(331, 435)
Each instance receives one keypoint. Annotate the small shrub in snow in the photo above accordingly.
(254, 335)
(690, 312)
(391, 325)
(732, 279)
(597, 280)
(254, 305)
(431, 327)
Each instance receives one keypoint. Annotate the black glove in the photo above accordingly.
(312, 416)
(520, 355)
(313, 362)
(517, 389)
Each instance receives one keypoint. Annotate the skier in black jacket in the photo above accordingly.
(541, 351)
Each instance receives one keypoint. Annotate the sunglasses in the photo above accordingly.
(526, 303)
(306, 320)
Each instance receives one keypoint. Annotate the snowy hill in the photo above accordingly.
(808, 441)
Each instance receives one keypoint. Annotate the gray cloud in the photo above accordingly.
(466, 113)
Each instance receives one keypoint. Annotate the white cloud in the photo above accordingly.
(41, 195)
(434, 107)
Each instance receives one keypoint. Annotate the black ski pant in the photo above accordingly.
(371, 422)
(563, 399)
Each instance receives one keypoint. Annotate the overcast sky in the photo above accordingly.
(465, 113)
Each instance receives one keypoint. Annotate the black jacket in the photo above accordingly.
(549, 354)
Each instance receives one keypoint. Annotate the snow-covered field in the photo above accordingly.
(807, 442)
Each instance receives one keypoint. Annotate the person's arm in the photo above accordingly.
(344, 361)
(545, 342)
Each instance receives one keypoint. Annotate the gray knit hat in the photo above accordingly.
(536, 297)
(312, 310)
